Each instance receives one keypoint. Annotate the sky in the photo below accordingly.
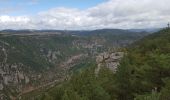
(84, 14)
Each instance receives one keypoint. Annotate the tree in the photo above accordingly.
(153, 96)
(71, 95)
(123, 85)
(165, 92)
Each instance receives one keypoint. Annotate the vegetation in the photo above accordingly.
(32, 59)
(83, 86)
(143, 74)
(31, 50)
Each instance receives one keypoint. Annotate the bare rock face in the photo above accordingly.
(1, 86)
(11, 74)
(110, 60)
(20, 75)
(27, 80)
(99, 59)
(52, 55)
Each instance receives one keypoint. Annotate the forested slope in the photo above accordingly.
(143, 74)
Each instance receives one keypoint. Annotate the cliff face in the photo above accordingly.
(31, 62)
(109, 60)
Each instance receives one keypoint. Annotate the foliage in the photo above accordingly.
(83, 86)
(153, 96)
(165, 92)
(143, 69)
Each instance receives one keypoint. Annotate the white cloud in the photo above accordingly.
(19, 22)
(111, 14)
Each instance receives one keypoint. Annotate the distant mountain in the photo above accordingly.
(151, 30)
(80, 32)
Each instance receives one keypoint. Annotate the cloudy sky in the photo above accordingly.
(83, 14)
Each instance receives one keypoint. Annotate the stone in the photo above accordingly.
(109, 60)
(27, 80)
(20, 76)
(1, 86)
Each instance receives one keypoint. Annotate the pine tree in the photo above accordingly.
(123, 86)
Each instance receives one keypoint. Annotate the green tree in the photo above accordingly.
(71, 95)
(123, 76)
(153, 96)
(165, 92)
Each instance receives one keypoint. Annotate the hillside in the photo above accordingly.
(143, 74)
(30, 60)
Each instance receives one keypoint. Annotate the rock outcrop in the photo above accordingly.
(109, 60)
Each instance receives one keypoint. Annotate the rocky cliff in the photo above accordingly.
(108, 59)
